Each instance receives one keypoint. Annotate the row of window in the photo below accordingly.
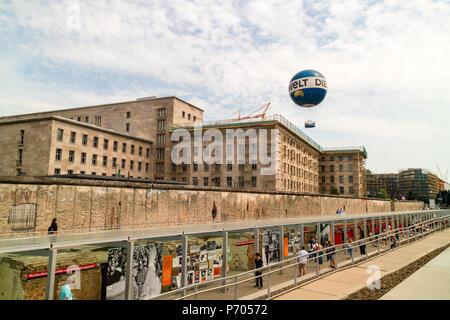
(296, 144)
(341, 168)
(341, 179)
(94, 158)
(340, 158)
(230, 183)
(341, 190)
(183, 114)
(294, 171)
(298, 186)
(95, 143)
(58, 171)
(217, 167)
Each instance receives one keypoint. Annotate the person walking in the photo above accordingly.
(362, 247)
(66, 293)
(349, 246)
(258, 264)
(302, 261)
(53, 229)
(320, 254)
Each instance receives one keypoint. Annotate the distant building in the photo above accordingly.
(377, 181)
(418, 182)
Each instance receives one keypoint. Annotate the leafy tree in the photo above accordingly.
(382, 194)
(334, 190)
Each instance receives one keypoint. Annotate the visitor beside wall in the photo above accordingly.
(302, 261)
(258, 264)
(66, 293)
(53, 229)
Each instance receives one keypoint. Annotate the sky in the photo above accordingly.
(386, 64)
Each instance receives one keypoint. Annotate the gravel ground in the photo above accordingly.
(390, 281)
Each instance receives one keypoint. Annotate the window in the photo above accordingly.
(139, 166)
(241, 167)
(350, 158)
(217, 167)
(195, 118)
(115, 145)
(229, 167)
(124, 147)
(146, 167)
(254, 166)
(84, 140)
(241, 181)
(331, 158)
(71, 155)
(183, 114)
(340, 158)
(161, 125)
(79, 118)
(323, 180)
(20, 156)
(114, 162)
(105, 144)
(147, 152)
(195, 167)
(69, 171)
(22, 136)
(105, 161)
(323, 168)
(132, 149)
(57, 171)
(140, 151)
(123, 163)
(58, 154)
(184, 179)
(350, 167)
(217, 182)
(332, 179)
(331, 168)
(174, 167)
(189, 116)
(162, 112)
(161, 138)
(94, 160)
(341, 168)
(206, 167)
(98, 121)
(350, 179)
(205, 181)
(159, 167)
(127, 127)
(160, 153)
(195, 181)
(341, 179)
(341, 190)
(350, 190)
(59, 135)
(95, 142)
(131, 164)
(184, 168)
(253, 182)
(87, 119)
(93, 173)
(229, 181)
(83, 157)
(128, 114)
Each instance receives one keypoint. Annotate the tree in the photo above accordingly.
(334, 190)
(382, 194)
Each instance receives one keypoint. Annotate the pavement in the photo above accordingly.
(433, 281)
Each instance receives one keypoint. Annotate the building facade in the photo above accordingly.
(418, 182)
(135, 138)
(48, 145)
(375, 182)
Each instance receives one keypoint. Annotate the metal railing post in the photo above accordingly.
(281, 249)
(236, 287)
(317, 263)
(268, 281)
(129, 271)
(295, 272)
(49, 293)
(225, 258)
(184, 246)
(196, 292)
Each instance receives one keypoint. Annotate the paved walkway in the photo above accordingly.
(431, 282)
(340, 284)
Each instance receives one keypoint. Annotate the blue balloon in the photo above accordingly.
(308, 88)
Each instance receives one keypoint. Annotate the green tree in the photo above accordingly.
(382, 194)
(334, 190)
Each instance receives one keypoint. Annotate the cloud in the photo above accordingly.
(385, 61)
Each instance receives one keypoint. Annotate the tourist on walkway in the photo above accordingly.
(258, 264)
(66, 293)
(362, 247)
(331, 254)
(53, 229)
(302, 261)
(349, 250)
(320, 253)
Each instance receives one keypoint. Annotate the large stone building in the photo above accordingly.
(134, 139)
(375, 182)
(418, 182)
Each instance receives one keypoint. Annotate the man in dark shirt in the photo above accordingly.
(258, 264)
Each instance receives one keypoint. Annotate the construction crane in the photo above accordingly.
(442, 176)
(262, 115)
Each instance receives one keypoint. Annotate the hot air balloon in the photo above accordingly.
(307, 89)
